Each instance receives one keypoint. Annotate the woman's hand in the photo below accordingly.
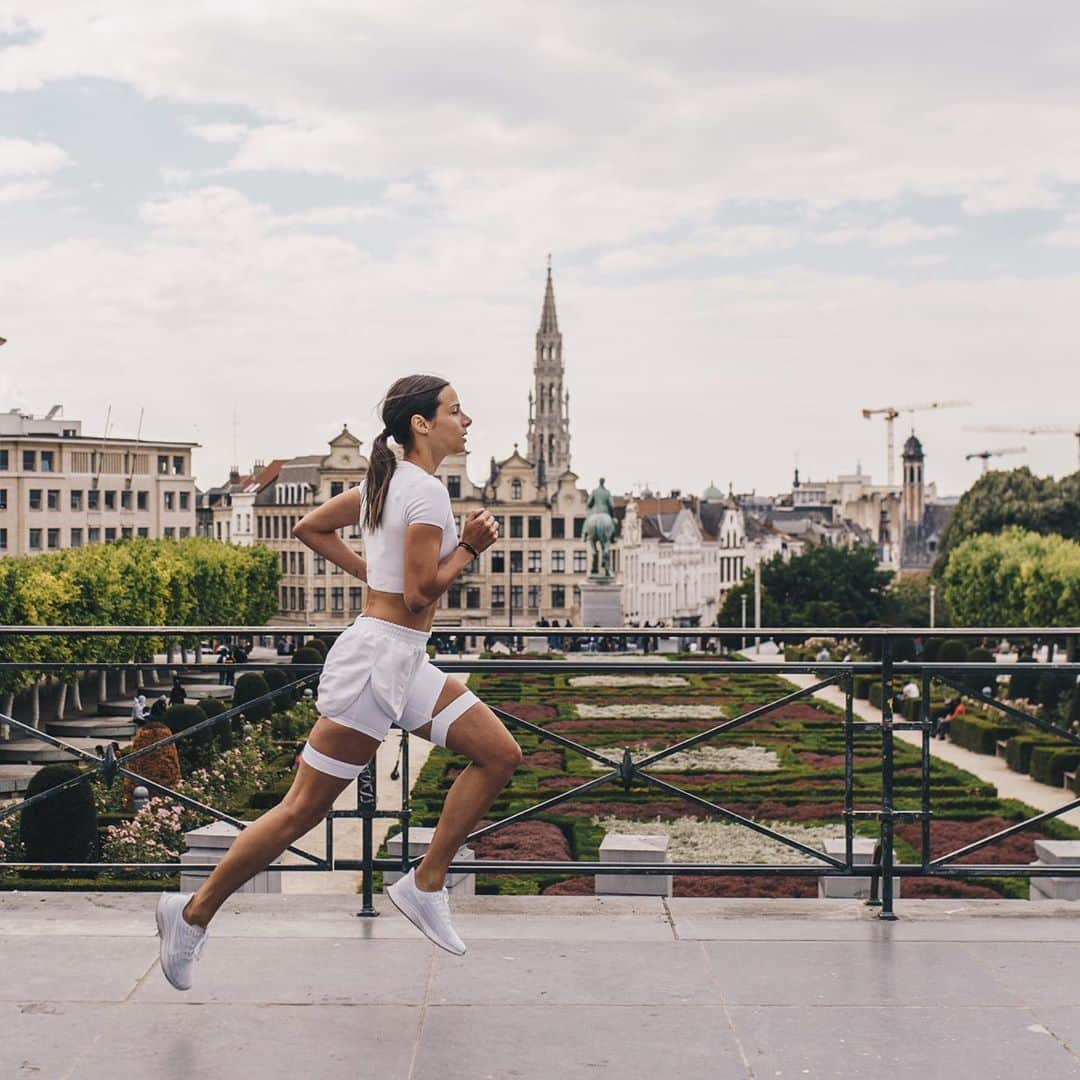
(479, 529)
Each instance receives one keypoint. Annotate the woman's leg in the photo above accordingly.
(481, 736)
(312, 794)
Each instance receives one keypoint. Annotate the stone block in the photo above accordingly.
(851, 888)
(601, 603)
(459, 884)
(1054, 888)
(537, 645)
(1058, 852)
(634, 848)
(208, 845)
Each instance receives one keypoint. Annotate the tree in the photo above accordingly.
(825, 586)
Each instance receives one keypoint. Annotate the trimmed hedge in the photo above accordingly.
(980, 736)
(1019, 747)
(1050, 763)
(63, 827)
(249, 686)
(860, 686)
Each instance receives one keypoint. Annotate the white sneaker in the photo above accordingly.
(429, 912)
(181, 943)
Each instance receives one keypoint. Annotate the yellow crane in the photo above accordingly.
(891, 412)
(1037, 429)
(986, 455)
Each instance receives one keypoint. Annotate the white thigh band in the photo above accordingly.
(341, 769)
(440, 723)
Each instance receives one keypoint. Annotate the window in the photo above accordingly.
(277, 526)
(76, 537)
(47, 459)
(534, 528)
(516, 558)
(284, 562)
(335, 569)
(453, 487)
(93, 499)
(143, 532)
(29, 461)
(110, 500)
(558, 528)
(515, 527)
(579, 527)
(142, 500)
(558, 562)
(336, 487)
(302, 599)
(453, 596)
(472, 596)
(3, 498)
(3, 539)
(498, 597)
(284, 598)
(534, 596)
(320, 564)
(259, 526)
(292, 597)
(163, 465)
(170, 500)
(558, 596)
(337, 598)
(500, 524)
(498, 562)
(4, 461)
(515, 489)
(76, 500)
(35, 539)
(110, 534)
(320, 599)
(534, 562)
(93, 535)
(52, 499)
(125, 532)
(185, 500)
(35, 498)
(300, 563)
(581, 562)
(125, 500)
(53, 539)
(178, 465)
(170, 533)
(356, 598)
(515, 598)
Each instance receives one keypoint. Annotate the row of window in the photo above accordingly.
(472, 596)
(533, 527)
(42, 539)
(294, 598)
(111, 462)
(49, 499)
(558, 562)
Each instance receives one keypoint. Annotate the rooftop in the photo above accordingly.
(551, 986)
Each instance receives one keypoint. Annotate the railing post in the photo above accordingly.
(924, 704)
(405, 802)
(365, 804)
(886, 912)
(849, 771)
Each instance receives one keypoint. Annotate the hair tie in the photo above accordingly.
(386, 433)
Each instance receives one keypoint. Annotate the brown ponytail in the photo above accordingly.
(408, 396)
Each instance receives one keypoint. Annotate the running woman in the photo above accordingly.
(378, 674)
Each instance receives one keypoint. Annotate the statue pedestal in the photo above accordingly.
(601, 602)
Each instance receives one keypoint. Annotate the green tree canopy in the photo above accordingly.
(825, 586)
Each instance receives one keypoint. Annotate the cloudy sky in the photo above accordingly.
(762, 217)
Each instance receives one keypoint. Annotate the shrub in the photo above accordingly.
(318, 645)
(976, 681)
(1019, 747)
(1052, 686)
(860, 686)
(1024, 685)
(953, 650)
(1050, 763)
(161, 765)
(223, 735)
(275, 679)
(980, 736)
(875, 695)
(195, 750)
(1074, 707)
(930, 649)
(309, 656)
(249, 686)
(62, 828)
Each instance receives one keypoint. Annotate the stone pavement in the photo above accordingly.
(564, 987)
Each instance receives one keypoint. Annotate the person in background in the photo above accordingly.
(953, 709)
(177, 694)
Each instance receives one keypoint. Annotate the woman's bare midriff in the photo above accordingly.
(391, 607)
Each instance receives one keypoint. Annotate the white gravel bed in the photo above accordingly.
(628, 680)
(694, 841)
(712, 758)
(654, 712)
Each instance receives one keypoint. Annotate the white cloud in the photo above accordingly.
(1068, 235)
(21, 157)
(899, 232)
(24, 191)
(219, 133)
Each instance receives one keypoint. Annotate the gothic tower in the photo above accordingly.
(914, 502)
(548, 440)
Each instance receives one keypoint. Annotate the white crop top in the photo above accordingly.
(415, 497)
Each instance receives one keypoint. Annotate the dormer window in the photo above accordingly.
(515, 489)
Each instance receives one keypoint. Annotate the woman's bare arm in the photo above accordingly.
(426, 578)
(318, 531)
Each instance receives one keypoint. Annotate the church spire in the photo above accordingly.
(549, 427)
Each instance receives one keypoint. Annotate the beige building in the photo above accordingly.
(61, 489)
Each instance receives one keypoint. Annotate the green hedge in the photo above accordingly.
(860, 686)
(981, 736)
(1019, 747)
(1050, 763)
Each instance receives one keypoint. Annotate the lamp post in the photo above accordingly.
(743, 598)
(933, 590)
(510, 598)
(757, 605)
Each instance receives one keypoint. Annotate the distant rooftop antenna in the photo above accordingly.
(101, 452)
(131, 456)
(235, 428)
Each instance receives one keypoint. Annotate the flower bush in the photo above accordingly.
(713, 758)
(657, 712)
(11, 848)
(600, 681)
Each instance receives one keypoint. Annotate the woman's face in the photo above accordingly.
(448, 429)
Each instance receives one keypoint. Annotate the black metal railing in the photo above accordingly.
(624, 771)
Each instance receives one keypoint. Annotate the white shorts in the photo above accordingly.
(377, 675)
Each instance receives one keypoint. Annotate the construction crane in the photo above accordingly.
(986, 455)
(1037, 429)
(891, 413)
